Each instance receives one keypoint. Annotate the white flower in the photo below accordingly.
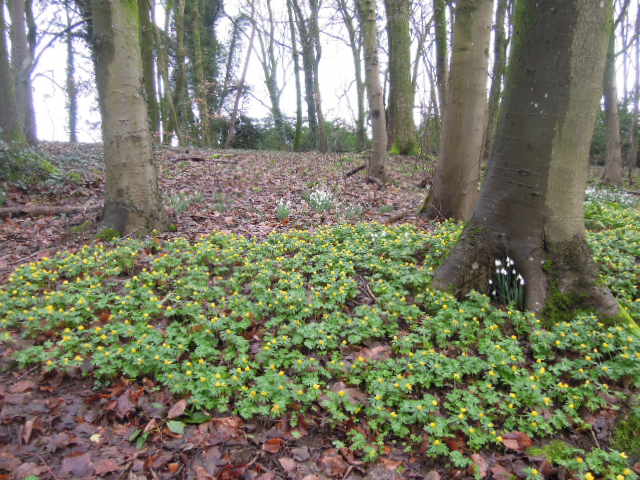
(490, 282)
(520, 279)
(498, 263)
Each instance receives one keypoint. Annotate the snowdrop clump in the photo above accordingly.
(507, 286)
(283, 209)
(601, 194)
(321, 199)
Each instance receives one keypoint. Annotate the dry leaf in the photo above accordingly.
(177, 409)
(273, 445)
(517, 441)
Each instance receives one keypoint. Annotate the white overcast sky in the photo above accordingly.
(336, 80)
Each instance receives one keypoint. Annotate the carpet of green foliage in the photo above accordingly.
(340, 322)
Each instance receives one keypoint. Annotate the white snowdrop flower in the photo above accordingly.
(493, 292)
(509, 262)
(498, 263)
(490, 282)
(520, 279)
(503, 271)
(513, 271)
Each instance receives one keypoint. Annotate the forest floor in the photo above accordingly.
(56, 425)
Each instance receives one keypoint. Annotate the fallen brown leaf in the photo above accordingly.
(273, 445)
(177, 409)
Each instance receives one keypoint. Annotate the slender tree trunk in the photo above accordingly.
(170, 121)
(11, 129)
(22, 62)
(201, 79)
(401, 127)
(297, 137)
(31, 126)
(231, 135)
(499, 65)
(375, 166)
(71, 87)
(314, 31)
(456, 185)
(442, 47)
(181, 93)
(614, 169)
(147, 44)
(133, 202)
(355, 43)
(633, 140)
(531, 207)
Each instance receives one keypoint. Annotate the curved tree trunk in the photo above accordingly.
(375, 166)
(133, 202)
(531, 207)
(457, 182)
(614, 168)
(401, 127)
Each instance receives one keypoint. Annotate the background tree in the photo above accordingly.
(401, 127)
(614, 171)
(457, 181)
(132, 202)
(147, 47)
(531, 207)
(12, 130)
(375, 165)
(442, 48)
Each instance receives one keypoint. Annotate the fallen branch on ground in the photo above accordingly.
(35, 210)
(398, 216)
(354, 171)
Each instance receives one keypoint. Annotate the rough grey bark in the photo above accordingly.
(133, 202)
(633, 137)
(531, 206)
(375, 165)
(614, 168)
(456, 184)
(9, 123)
(22, 61)
(401, 127)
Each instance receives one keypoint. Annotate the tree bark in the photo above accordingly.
(71, 92)
(499, 65)
(442, 47)
(633, 137)
(297, 137)
(133, 202)
(375, 165)
(147, 47)
(355, 43)
(22, 61)
(456, 185)
(614, 168)
(401, 126)
(12, 130)
(314, 31)
(531, 206)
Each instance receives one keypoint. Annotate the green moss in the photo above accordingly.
(561, 307)
(83, 227)
(555, 451)
(625, 436)
(108, 234)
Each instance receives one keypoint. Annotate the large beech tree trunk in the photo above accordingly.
(531, 206)
(375, 166)
(132, 202)
(401, 128)
(456, 185)
(614, 167)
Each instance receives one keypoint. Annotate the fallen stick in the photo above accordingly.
(35, 210)
(352, 172)
(396, 217)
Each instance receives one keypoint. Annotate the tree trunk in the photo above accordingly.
(181, 94)
(355, 43)
(314, 31)
(499, 64)
(614, 168)
(297, 137)
(531, 206)
(231, 135)
(456, 185)
(71, 87)
(147, 46)
(133, 202)
(440, 25)
(200, 78)
(11, 129)
(375, 166)
(401, 127)
(22, 61)
(633, 137)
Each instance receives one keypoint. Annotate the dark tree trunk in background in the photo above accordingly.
(531, 207)
(442, 47)
(297, 137)
(633, 138)
(614, 169)
(375, 166)
(497, 74)
(456, 184)
(132, 202)
(71, 92)
(22, 62)
(12, 130)
(401, 127)
(147, 47)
